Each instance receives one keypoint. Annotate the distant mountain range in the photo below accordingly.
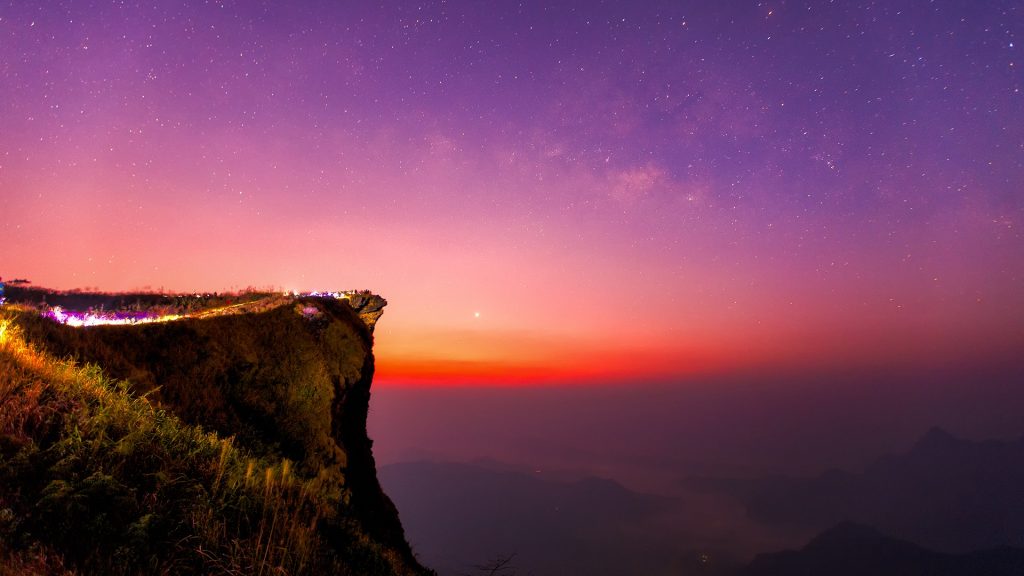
(946, 507)
(850, 549)
(460, 515)
(946, 493)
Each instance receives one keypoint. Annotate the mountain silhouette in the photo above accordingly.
(945, 493)
(459, 515)
(850, 549)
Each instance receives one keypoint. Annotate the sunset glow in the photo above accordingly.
(542, 192)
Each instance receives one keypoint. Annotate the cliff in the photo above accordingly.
(192, 434)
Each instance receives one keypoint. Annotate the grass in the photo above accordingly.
(99, 475)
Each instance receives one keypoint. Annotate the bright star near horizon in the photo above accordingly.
(747, 175)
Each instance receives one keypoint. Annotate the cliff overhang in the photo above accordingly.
(284, 377)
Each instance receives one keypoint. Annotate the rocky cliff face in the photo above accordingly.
(287, 377)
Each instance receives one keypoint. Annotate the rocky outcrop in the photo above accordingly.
(368, 306)
(287, 377)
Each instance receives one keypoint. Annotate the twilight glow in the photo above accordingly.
(542, 191)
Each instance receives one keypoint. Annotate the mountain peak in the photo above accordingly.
(936, 438)
(845, 533)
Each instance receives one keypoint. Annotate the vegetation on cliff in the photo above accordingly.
(226, 444)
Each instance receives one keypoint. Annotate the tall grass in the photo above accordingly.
(112, 484)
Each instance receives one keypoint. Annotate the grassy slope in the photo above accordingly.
(98, 478)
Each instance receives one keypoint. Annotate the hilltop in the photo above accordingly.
(850, 549)
(946, 493)
(202, 433)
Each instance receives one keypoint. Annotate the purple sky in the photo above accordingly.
(543, 191)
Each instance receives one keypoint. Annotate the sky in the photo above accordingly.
(545, 192)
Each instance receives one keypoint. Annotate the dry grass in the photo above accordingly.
(100, 479)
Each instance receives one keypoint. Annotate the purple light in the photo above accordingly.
(122, 317)
(71, 318)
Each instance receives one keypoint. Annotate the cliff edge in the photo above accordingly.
(204, 434)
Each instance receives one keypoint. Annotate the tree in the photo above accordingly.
(501, 565)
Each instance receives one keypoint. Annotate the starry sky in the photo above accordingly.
(544, 191)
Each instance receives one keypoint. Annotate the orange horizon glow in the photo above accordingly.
(474, 349)
(587, 198)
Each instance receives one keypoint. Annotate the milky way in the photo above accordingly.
(541, 190)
